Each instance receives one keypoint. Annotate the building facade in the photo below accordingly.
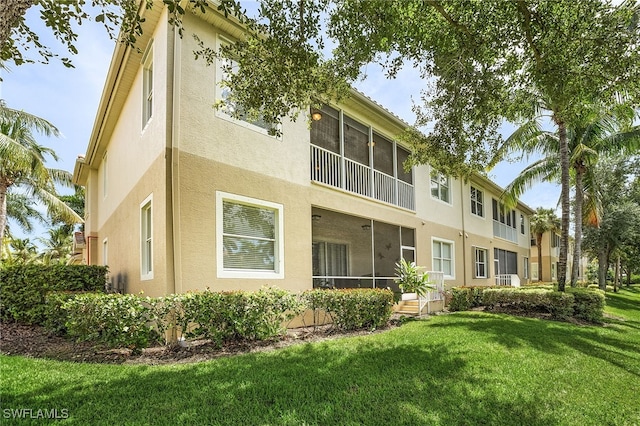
(181, 196)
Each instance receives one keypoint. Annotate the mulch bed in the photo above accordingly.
(36, 342)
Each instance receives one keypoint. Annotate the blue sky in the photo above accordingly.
(69, 97)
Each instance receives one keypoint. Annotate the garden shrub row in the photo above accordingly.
(24, 288)
(353, 309)
(134, 321)
(580, 303)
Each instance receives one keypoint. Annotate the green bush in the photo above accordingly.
(118, 320)
(560, 305)
(234, 315)
(588, 305)
(465, 298)
(352, 309)
(23, 288)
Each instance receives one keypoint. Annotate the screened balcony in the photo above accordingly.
(356, 252)
(348, 155)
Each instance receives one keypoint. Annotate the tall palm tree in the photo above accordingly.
(20, 251)
(22, 164)
(57, 247)
(543, 220)
(602, 134)
(22, 209)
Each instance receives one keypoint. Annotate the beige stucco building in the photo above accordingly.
(180, 196)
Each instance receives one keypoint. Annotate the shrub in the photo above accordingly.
(353, 309)
(465, 298)
(118, 320)
(23, 288)
(558, 304)
(588, 304)
(233, 315)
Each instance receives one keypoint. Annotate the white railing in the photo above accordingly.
(503, 231)
(385, 188)
(511, 280)
(357, 178)
(406, 195)
(326, 167)
(435, 294)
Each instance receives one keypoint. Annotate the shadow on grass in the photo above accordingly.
(368, 382)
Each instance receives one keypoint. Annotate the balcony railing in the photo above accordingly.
(511, 280)
(331, 169)
(504, 231)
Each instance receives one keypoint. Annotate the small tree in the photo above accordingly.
(543, 220)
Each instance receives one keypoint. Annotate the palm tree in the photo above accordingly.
(18, 251)
(57, 247)
(23, 211)
(22, 164)
(602, 134)
(543, 220)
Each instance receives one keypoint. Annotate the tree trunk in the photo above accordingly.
(577, 250)
(3, 210)
(617, 279)
(603, 266)
(565, 202)
(10, 14)
(539, 244)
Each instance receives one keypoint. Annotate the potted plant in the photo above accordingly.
(411, 281)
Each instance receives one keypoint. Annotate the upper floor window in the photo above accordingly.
(105, 175)
(522, 223)
(250, 237)
(233, 109)
(147, 85)
(440, 187)
(477, 202)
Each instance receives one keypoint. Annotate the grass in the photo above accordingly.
(461, 369)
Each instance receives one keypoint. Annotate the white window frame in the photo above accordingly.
(147, 85)
(554, 271)
(477, 249)
(453, 257)
(477, 202)
(278, 272)
(525, 267)
(439, 177)
(534, 271)
(222, 41)
(146, 240)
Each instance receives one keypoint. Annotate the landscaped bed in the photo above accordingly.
(461, 368)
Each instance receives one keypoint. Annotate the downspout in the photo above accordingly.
(173, 169)
(464, 235)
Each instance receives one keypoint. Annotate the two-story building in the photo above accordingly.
(180, 196)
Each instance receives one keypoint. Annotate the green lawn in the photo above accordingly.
(466, 368)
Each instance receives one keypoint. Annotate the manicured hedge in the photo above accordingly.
(352, 309)
(579, 303)
(23, 288)
(235, 315)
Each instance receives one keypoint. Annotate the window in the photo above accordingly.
(440, 187)
(477, 202)
(554, 270)
(146, 239)
(534, 271)
(505, 262)
(555, 240)
(147, 85)
(525, 267)
(480, 262)
(522, 224)
(249, 237)
(234, 110)
(443, 257)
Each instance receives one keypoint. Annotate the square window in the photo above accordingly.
(440, 187)
(249, 237)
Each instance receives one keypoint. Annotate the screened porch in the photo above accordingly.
(356, 252)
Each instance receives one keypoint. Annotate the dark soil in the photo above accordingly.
(37, 342)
